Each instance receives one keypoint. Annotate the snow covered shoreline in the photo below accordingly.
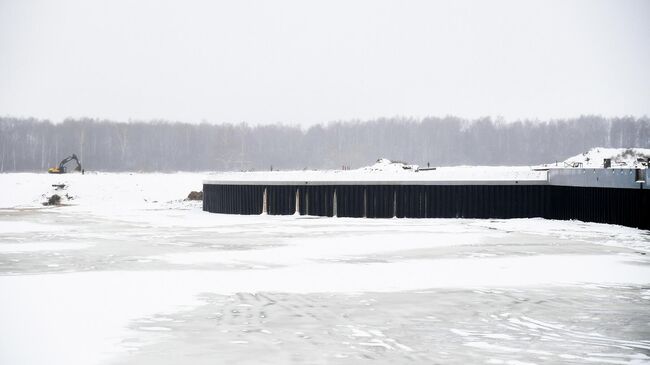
(127, 270)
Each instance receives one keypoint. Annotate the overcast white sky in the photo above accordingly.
(316, 61)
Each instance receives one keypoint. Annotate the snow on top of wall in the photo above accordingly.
(621, 157)
(388, 171)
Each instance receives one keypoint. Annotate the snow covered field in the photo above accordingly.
(128, 273)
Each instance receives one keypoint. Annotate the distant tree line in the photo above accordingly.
(35, 145)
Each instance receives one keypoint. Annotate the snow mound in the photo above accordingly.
(621, 157)
(386, 165)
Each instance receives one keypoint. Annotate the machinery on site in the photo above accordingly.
(62, 169)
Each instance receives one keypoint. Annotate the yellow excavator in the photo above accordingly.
(61, 169)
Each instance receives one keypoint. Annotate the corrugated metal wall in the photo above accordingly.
(233, 199)
(630, 207)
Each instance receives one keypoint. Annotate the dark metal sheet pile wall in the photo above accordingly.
(233, 199)
(281, 199)
(628, 207)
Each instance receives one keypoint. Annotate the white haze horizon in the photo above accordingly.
(306, 63)
(497, 119)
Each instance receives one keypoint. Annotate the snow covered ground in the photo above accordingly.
(126, 272)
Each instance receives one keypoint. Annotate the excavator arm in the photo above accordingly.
(62, 169)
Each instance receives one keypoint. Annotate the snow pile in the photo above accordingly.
(621, 157)
(386, 165)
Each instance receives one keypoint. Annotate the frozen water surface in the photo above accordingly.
(127, 273)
